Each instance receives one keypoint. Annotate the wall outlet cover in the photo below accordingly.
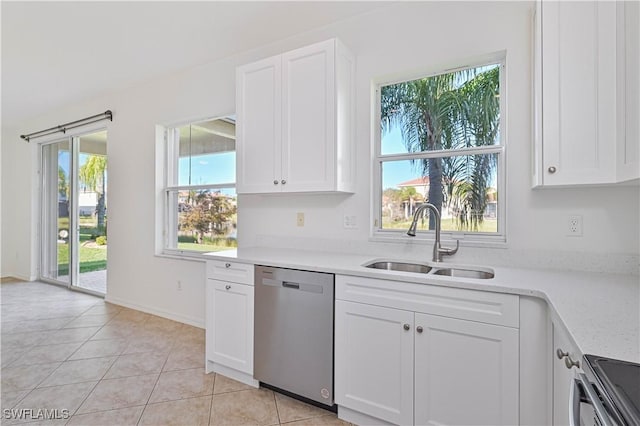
(574, 226)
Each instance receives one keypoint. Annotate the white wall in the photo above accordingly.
(401, 37)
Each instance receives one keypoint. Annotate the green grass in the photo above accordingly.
(91, 259)
(204, 247)
(488, 225)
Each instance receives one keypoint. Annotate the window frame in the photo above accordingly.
(170, 174)
(466, 238)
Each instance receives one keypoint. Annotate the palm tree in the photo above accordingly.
(449, 111)
(93, 174)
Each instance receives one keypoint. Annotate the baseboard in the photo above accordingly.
(155, 311)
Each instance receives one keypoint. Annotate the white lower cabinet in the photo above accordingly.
(465, 372)
(562, 376)
(232, 326)
(407, 367)
(374, 361)
(229, 321)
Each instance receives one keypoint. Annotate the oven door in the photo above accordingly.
(585, 406)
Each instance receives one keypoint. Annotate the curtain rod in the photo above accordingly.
(107, 115)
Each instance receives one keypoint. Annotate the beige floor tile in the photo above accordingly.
(25, 376)
(83, 370)
(121, 417)
(149, 344)
(88, 321)
(103, 308)
(155, 322)
(224, 384)
(100, 348)
(192, 412)
(46, 354)
(119, 393)
(11, 353)
(131, 315)
(9, 399)
(190, 334)
(249, 407)
(290, 409)
(66, 397)
(185, 356)
(116, 331)
(328, 420)
(68, 335)
(25, 339)
(35, 325)
(136, 365)
(182, 384)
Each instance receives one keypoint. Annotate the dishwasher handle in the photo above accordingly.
(302, 286)
(289, 284)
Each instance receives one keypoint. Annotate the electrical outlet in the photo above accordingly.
(300, 219)
(574, 226)
(350, 222)
(179, 285)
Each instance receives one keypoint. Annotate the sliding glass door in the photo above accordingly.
(74, 212)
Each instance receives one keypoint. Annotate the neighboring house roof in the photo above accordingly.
(424, 180)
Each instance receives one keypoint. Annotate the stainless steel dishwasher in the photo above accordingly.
(293, 343)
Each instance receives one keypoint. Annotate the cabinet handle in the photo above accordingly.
(561, 354)
(283, 181)
(552, 169)
(227, 287)
(227, 265)
(275, 181)
(569, 363)
(407, 327)
(419, 329)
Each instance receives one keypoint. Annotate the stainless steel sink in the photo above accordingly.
(464, 273)
(400, 266)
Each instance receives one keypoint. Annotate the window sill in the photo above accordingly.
(466, 240)
(191, 256)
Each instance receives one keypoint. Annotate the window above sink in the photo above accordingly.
(441, 141)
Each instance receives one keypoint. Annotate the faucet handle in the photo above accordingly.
(450, 251)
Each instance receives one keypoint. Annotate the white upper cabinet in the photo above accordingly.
(294, 121)
(582, 57)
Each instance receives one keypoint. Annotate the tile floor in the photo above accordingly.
(109, 365)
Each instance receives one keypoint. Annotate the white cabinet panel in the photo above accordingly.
(562, 376)
(374, 361)
(586, 93)
(259, 125)
(294, 117)
(232, 325)
(308, 142)
(465, 372)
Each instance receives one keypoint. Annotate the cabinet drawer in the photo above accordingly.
(487, 307)
(230, 271)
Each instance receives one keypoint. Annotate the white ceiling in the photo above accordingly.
(59, 53)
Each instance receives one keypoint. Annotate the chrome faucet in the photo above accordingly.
(438, 250)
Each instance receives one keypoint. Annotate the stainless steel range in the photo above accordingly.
(607, 394)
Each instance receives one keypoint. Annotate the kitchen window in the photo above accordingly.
(440, 140)
(200, 195)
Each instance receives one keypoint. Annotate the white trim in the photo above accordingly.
(185, 319)
(471, 239)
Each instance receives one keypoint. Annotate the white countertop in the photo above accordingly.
(601, 312)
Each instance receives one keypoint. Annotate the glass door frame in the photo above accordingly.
(73, 140)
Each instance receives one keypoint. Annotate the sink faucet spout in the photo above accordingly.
(438, 250)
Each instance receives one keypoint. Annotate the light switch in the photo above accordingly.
(300, 219)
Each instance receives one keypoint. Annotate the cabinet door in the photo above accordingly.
(309, 118)
(232, 328)
(465, 372)
(579, 129)
(259, 126)
(374, 361)
(562, 377)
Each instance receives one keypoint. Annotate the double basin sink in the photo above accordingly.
(421, 268)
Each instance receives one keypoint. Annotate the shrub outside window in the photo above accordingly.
(201, 200)
(441, 142)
